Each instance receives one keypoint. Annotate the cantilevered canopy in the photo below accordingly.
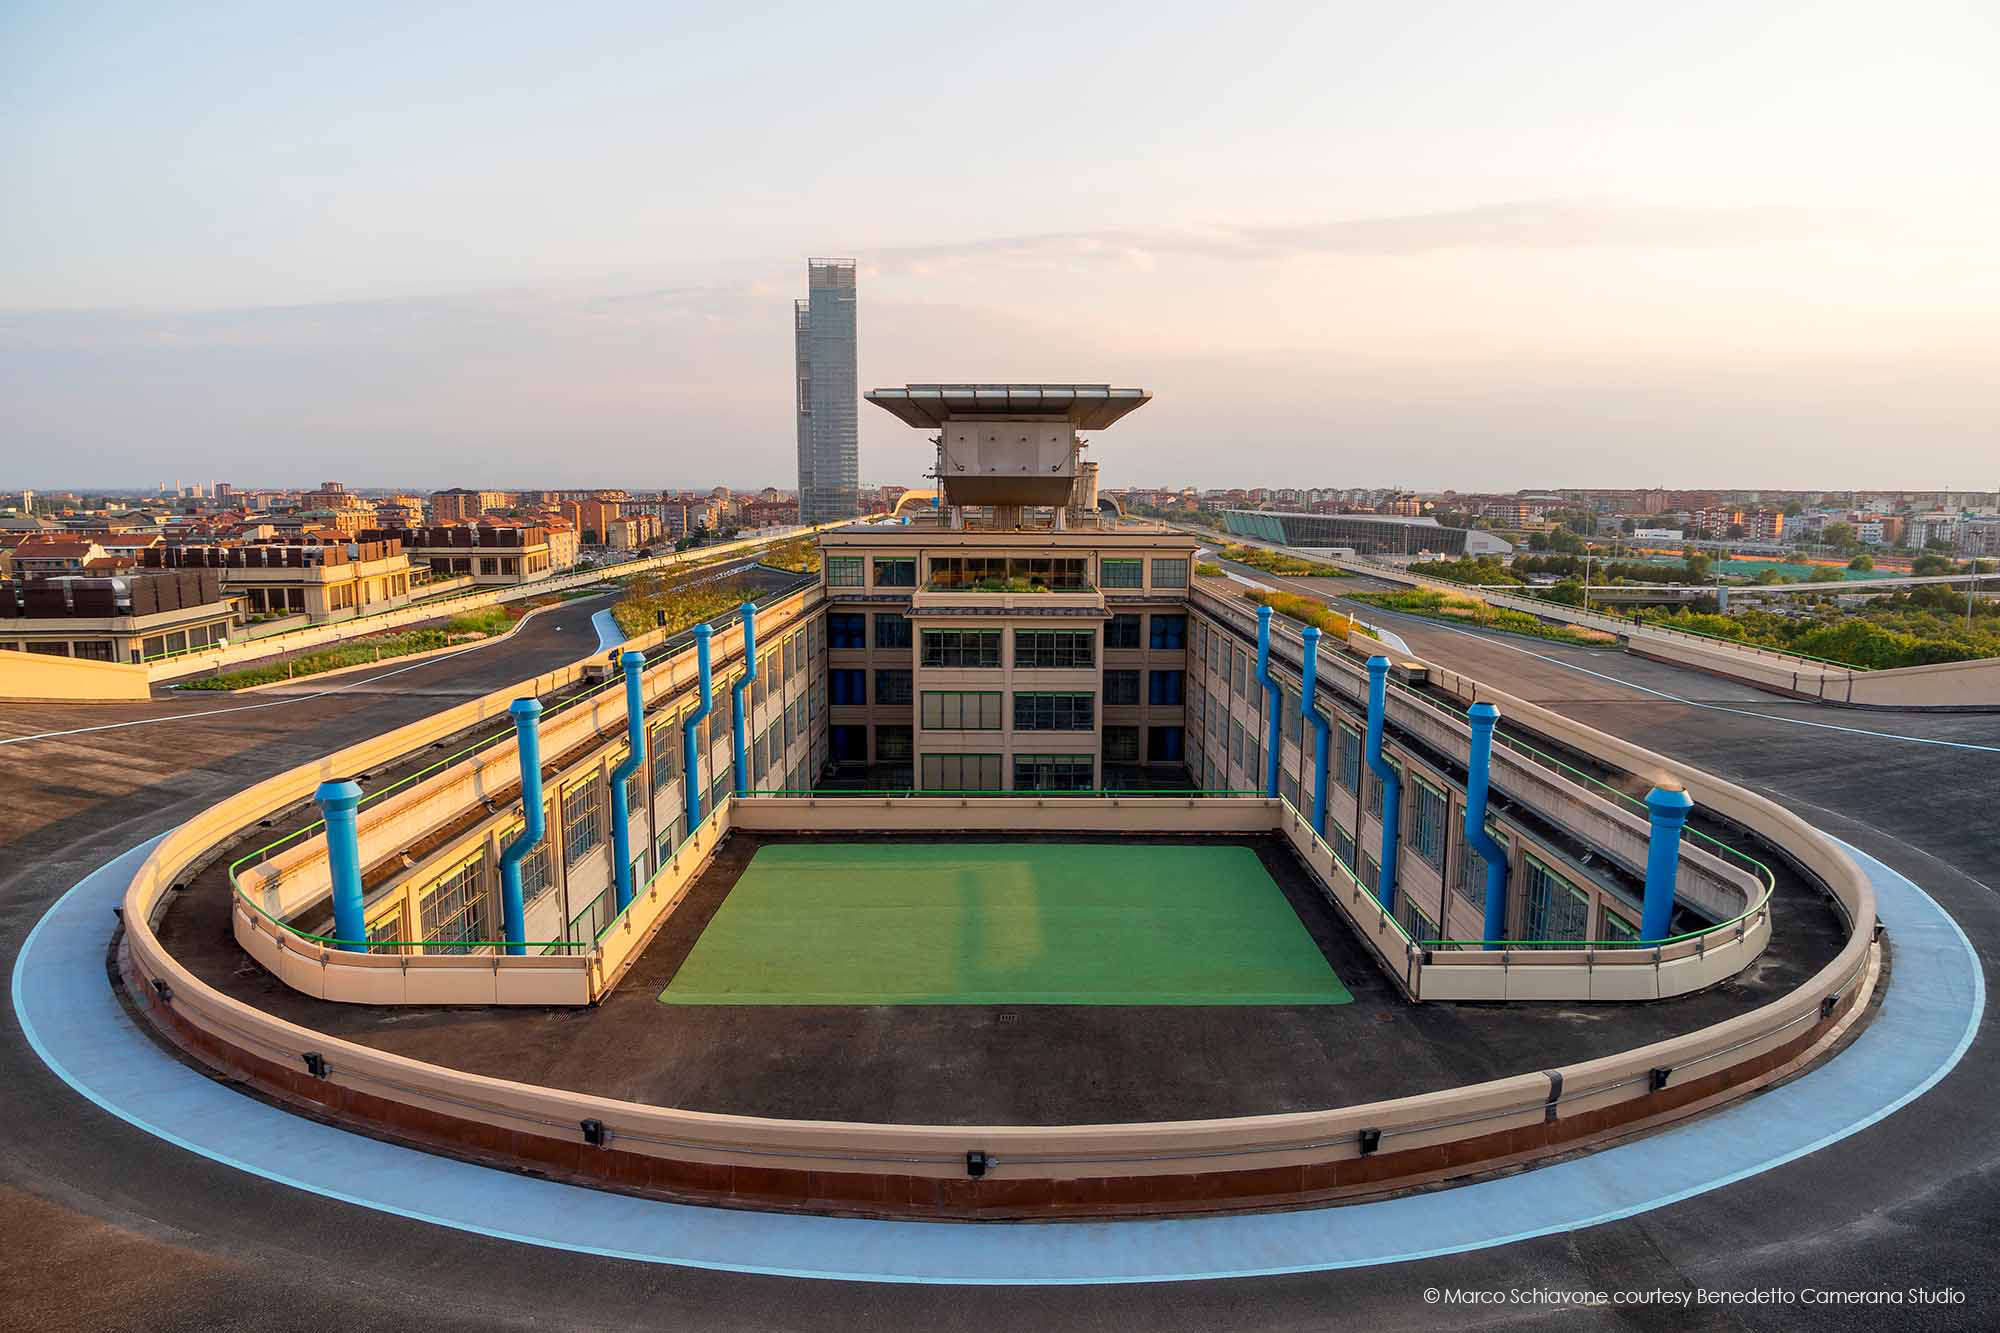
(1084, 406)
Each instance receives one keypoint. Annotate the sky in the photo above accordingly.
(1486, 245)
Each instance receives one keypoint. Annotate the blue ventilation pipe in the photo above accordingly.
(748, 678)
(690, 760)
(1478, 780)
(1392, 785)
(337, 801)
(1669, 807)
(635, 754)
(1322, 731)
(1273, 701)
(528, 741)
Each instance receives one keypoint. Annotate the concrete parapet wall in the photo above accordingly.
(45, 678)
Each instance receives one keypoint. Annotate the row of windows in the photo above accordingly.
(999, 573)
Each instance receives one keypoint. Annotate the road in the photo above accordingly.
(105, 1226)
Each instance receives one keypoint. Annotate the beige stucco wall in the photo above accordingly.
(40, 677)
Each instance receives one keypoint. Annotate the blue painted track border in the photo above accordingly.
(75, 1024)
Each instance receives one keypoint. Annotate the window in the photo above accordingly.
(1121, 687)
(848, 745)
(1122, 632)
(966, 710)
(535, 866)
(892, 687)
(1170, 573)
(1617, 929)
(996, 573)
(1343, 846)
(1415, 924)
(583, 821)
(1121, 745)
(848, 686)
(1053, 712)
(1122, 573)
(1165, 687)
(1376, 787)
(892, 630)
(1350, 758)
(1428, 813)
(385, 931)
(893, 745)
(1471, 884)
(843, 571)
(1053, 772)
(1169, 632)
(1164, 745)
(961, 648)
(666, 747)
(962, 772)
(450, 910)
(1556, 909)
(846, 629)
(1240, 677)
(895, 571)
(1054, 648)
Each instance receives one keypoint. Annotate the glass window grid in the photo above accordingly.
(961, 648)
(1169, 632)
(583, 821)
(960, 710)
(1054, 772)
(1170, 573)
(1049, 711)
(1122, 631)
(1054, 649)
(892, 629)
(1122, 573)
(843, 571)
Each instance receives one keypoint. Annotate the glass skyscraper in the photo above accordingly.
(828, 393)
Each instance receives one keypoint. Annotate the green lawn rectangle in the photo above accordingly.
(998, 923)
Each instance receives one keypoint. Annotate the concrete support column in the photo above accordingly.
(1479, 774)
(1273, 702)
(1322, 730)
(690, 751)
(1392, 785)
(635, 755)
(747, 679)
(1669, 807)
(337, 802)
(527, 715)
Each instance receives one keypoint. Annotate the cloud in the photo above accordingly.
(1548, 224)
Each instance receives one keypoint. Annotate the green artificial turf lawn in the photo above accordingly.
(1021, 923)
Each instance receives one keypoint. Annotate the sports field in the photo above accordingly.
(1015, 923)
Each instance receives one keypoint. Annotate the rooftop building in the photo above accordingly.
(1364, 534)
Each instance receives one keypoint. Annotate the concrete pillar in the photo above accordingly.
(1273, 702)
(337, 801)
(1669, 807)
(1479, 774)
(635, 755)
(1392, 785)
(747, 679)
(527, 715)
(1322, 730)
(690, 756)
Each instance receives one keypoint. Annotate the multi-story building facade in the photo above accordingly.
(494, 554)
(464, 506)
(1007, 640)
(1365, 534)
(323, 581)
(124, 619)
(825, 343)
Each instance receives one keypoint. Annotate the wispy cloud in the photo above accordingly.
(1540, 224)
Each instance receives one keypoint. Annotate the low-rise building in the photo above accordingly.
(122, 619)
(495, 554)
(324, 581)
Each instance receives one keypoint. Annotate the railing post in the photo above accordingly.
(1273, 702)
(1322, 730)
(748, 678)
(528, 743)
(1479, 774)
(635, 754)
(1669, 806)
(1392, 785)
(337, 801)
(690, 758)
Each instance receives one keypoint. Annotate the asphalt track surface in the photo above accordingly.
(104, 1226)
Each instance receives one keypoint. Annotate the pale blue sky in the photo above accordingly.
(1491, 244)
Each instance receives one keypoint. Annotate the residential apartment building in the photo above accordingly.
(463, 506)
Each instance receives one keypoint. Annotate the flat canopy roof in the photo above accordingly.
(1084, 406)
